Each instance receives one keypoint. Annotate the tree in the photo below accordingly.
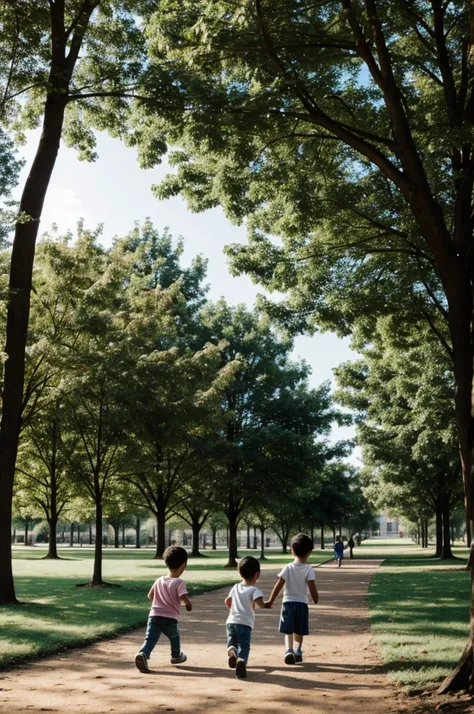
(402, 394)
(177, 379)
(269, 417)
(61, 60)
(43, 468)
(359, 111)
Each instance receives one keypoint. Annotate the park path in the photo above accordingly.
(341, 673)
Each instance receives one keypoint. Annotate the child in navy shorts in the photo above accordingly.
(297, 579)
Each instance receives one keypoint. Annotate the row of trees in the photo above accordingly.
(142, 394)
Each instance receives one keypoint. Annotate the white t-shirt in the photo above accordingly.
(296, 577)
(241, 610)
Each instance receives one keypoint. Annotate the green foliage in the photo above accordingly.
(401, 392)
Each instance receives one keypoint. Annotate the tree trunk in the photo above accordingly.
(284, 539)
(137, 532)
(97, 574)
(79, 538)
(248, 536)
(322, 538)
(90, 532)
(233, 522)
(447, 553)
(160, 534)
(123, 536)
(196, 527)
(27, 523)
(214, 539)
(312, 533)
(262, 544)
(468, 533)
(439, 530)
(71, 535)
(333, 534)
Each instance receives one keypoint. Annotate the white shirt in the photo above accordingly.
(241, 610)
(296, 577)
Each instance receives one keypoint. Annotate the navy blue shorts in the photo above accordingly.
(294, 619)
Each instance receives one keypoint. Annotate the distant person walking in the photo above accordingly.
(338, 551)
(351, 546)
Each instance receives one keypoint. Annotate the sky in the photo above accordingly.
(116, 192)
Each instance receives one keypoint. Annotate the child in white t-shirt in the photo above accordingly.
(297, 578)
(241, 602)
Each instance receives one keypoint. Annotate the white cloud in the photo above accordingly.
(62, 207)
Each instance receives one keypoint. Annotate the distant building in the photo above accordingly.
(388, 527)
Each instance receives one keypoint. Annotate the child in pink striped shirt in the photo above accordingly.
(167, 593)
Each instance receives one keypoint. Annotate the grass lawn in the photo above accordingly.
(419, 608)
(55, 614)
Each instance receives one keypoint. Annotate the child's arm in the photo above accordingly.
(187, 602)
(279, 585)
(228, 601)
(259, 601)
(150, 594)
(313, 591)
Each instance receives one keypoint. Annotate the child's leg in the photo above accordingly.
(171, 630)
(299, 642)
(289, 644)
(153, 632)
(244, 635)
(231, 636)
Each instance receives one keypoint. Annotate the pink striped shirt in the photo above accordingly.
(167, 592)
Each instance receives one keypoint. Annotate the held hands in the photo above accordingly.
(268, 605)
(189, 606)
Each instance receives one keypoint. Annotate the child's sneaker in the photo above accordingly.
(179, 660)
(298, 656)
(141, 662)
(290, 657)
(232, 657)
(241, 669)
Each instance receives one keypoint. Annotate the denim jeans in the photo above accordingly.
(156, 626)
(239, 636)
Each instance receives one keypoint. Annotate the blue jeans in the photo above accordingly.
(156, 626)
(238, 636)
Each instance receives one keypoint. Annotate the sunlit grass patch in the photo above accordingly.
(419, 610)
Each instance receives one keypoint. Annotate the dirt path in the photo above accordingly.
(341, 672)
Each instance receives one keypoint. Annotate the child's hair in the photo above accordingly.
(301, 545)
(175, 557)
(248, 567)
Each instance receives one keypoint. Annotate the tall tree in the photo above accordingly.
(362, 113)
(269, 417)
(62, 58)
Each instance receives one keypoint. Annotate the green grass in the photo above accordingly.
(55, 614)
(419, 608)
